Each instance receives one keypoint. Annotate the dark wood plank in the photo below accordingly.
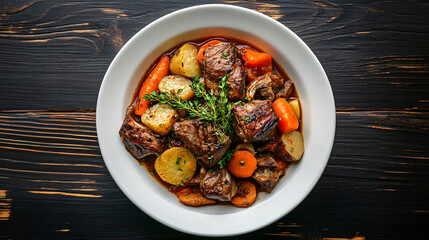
(54, 184)
(55, 53)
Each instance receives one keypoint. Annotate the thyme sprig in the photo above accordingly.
(216, 110)
(194, 108)
(225, 159)
(225, 108)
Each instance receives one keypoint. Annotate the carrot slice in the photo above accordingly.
(151, 84)
(242, 164)
(288, 121)
(257, 63)
(200, 55)
(246, 194)
(192, 197)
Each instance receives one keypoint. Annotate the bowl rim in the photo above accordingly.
(329, 141)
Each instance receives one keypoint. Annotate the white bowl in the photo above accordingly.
(230, 21)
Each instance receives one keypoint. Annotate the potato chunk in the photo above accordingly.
(160, 118)
(296, 107)
(294, 145)
(184, 62)
(178, 84)
(176, 166)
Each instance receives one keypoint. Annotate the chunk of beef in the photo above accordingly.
(268, 177)
(197, 179)
(266, 160)
(174, 142)
(270, 144)
(202, 140)
(275, 146)
(260, 88)
(139, 140)
(236, 82)
(220, 60)
(255, 121)
(277, 81)
(264, 86)
(268, 172)
(211, 85)
(286, 91)
(218, 185)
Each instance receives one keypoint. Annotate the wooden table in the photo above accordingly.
(53, 181)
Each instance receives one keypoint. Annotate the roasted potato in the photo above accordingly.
(293, 143)
(178, 84)
(245, 146)
(296, 107)
(160, 118)
(176, 166)
(184, 62)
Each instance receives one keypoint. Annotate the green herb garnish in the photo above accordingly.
(224, 160)
(207, 107)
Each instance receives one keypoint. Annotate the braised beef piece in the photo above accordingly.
(268, 177)
(260, 88)
(277, 81)
(286, 91)
(255, 121)
(140, 140)
(266, 160)
(275, 146)
(270, 144)
(198, 178)
(211, 85)
(268, 172)
(174, 142)
(236, 82)
(263, 87)
(200, 138)
(219, 60)
(218, 185)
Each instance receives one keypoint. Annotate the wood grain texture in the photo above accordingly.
(54, 182)
(57, 52)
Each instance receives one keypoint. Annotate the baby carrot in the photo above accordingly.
(246, 194)
(151, 84)
(288, 121)
(200, 54)
(193, 197)
(242, 164)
